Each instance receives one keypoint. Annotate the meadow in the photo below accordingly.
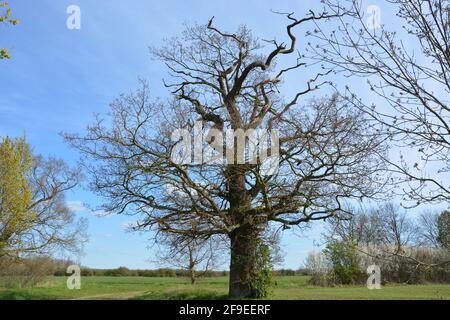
(149, 288)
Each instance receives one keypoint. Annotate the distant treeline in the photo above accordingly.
(29, 271)
(161, 272)
(125, 272)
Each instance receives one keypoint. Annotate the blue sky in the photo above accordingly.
(59, 78)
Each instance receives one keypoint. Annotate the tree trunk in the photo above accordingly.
(244, 239)
(244, 242)
(191, 264)
(192, 275)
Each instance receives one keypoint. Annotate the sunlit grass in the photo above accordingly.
(290, 287)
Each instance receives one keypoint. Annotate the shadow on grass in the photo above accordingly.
(24, 295)
(182, 295)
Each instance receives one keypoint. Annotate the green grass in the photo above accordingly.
(295, 287)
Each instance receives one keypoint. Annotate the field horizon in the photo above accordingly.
(177, 288)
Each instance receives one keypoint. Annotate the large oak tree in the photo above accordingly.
(327, 151)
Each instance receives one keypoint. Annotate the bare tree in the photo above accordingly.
(51, 226)
(397, 230)
(429, 228)
(435, 229)
(197, 256)
(387, 233)
(410, 69)
(327, 150)
(384, 226)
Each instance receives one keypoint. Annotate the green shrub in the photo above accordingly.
(345, 263)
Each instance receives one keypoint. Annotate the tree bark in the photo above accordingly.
(192, 275)
(191, 265)
(244, 239)
(244, 242)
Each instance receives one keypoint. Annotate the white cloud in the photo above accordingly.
(100, 213)
(77, 206)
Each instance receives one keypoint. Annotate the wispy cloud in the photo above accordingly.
(79, 207)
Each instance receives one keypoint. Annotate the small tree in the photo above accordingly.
(34, 217)
(345, 262)
(197, 256)
(15, 192)
(429, 229)
(443, 227)
(406, 249)
(318, 267)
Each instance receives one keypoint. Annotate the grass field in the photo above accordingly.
(295, 287)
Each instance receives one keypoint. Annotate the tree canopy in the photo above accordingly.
(230, 81)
